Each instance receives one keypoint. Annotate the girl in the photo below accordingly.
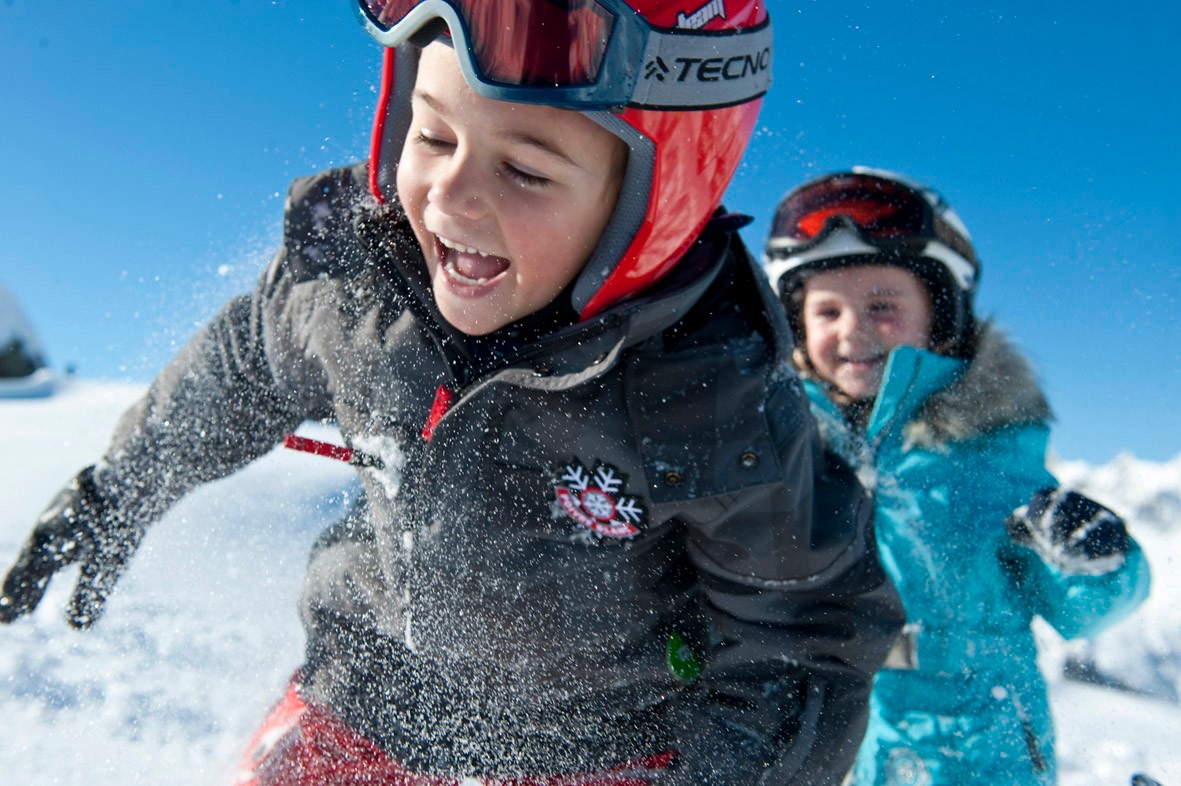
(945, 422)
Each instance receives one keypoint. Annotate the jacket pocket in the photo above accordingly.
(701, 424)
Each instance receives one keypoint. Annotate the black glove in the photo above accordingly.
(1072, 532)
(78, 526)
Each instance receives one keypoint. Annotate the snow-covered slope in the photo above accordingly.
(1104, 734)
(202, 633)
(200, 636)
(1143, 652)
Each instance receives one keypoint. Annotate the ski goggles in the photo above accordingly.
(584, 54)
(884, 213)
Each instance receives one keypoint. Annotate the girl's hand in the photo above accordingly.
(1071, 532)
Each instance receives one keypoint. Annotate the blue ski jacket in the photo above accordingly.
(952, 448)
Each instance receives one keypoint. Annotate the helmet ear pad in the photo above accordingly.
(952, 320)
(391, 122)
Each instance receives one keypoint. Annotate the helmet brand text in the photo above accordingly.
(714, 69)
(702, 16)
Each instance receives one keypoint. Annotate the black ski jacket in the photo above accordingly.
(585, 541)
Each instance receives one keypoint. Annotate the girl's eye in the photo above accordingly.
(525, 178)
(882, 308)
(828, 314)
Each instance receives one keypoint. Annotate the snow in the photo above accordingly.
(202, 633)
(1103, 734)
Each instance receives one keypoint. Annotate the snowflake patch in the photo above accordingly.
(595, 500)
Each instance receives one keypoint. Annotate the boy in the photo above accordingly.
(599, 541)
(945, 422)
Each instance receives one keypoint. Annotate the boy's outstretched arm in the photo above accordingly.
(228, 397)
(212, 410)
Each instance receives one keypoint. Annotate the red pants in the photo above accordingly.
(303, 745)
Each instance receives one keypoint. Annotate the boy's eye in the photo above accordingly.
(433, 142)
(525, 178)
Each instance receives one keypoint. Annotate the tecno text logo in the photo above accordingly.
(710, 69)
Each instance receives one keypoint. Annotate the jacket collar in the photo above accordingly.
(929, 400)
(998, 389)
(910, 378)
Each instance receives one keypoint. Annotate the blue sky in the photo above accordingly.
(148, 146)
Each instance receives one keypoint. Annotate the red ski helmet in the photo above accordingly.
(680, 81)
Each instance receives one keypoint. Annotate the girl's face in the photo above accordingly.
(854, 316)
(507, 200)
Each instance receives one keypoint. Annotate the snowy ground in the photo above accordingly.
(202, 633)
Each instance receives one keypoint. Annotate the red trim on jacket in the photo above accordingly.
(443, 399)
(318, 448)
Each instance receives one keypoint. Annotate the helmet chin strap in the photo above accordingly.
(630, 207)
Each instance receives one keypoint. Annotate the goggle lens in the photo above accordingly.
(882, 210)
(539, 43)
(387, 13)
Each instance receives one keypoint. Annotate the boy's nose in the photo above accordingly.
(459, 190)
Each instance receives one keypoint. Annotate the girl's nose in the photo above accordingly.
(853, 330)
(850, 324)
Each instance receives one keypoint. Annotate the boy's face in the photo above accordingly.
(854, 316)
(507, 200)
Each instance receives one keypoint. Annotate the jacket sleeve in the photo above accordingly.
(1079, 606)
(238, 386)
(214, 408)
(803, 616)
(1075, 605)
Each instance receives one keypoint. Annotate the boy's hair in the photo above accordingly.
(871, 217)
(682, 88)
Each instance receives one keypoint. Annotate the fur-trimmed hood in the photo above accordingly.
(997, 389)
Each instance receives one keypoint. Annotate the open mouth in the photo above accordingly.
(467, 265)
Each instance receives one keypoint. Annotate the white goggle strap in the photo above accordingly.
(701, 70)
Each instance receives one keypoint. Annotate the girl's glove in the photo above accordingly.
(78, 526)
(1074, 533)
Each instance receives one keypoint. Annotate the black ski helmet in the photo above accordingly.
(875, 217)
